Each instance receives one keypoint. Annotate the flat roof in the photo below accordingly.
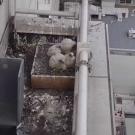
(118, 32)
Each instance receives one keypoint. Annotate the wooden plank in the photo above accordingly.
(52, 82)
(43, 80)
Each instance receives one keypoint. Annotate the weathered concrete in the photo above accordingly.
(4, 14)
(99, 101)
(4, 17)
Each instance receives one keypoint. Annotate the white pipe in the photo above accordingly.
(12, 7)
(84, 21)
(45, 12)
(81, 123)
(81, 119)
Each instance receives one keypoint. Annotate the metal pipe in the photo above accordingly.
(84, 21)
(81, 123)
(110, 82)
(45, 12)
(81, 119)
(12, 7)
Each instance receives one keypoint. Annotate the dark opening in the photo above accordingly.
(119, 100)
(123, 15)
(94, 17)
(125, 1)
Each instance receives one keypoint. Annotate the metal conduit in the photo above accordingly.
(84, 22)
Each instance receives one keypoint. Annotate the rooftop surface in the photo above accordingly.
(118, 32)
(99, 115)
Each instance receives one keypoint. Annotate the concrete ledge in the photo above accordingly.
(37, 25)
(4, 41)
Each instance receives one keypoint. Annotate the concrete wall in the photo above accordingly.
(56, 5)
(4, 16)
(132, 2)
(106, 3)
(130, 123)
(123, 73)
(52, 5)
(38, 4)
(112, 3)
(4, 30)
(26, 4)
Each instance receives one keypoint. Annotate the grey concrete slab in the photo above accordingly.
(130, 126)
(97, 44)
(99, 116)
(118, 32)
(99, 110)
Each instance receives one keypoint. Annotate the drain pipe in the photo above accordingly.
(81, 119)
(81, 123)
(84, 22)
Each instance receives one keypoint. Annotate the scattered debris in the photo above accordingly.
(48, 111)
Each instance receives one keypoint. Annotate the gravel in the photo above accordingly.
(56, 106)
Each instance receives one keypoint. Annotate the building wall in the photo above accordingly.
(48, 5)
(72, 6)
(38, 5)
(56, 5)
(132, 2)
(26, 4)
(108, 3)
(4, 29)
(4, 16)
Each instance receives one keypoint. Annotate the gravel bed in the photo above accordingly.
(57, 106)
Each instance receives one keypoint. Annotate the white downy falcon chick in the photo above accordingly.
(70, 59)
(53, 50)
(57, 61)
(67, 45)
